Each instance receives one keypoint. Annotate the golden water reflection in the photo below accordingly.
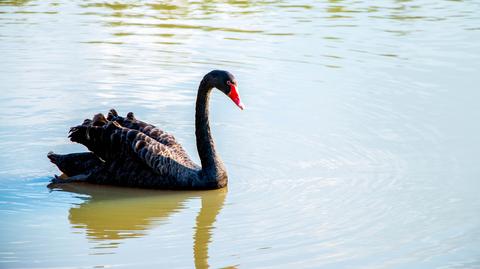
(111, 215)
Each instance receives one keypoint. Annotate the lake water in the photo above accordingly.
(359, 147)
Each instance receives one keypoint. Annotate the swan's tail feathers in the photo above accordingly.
(75, 163)
(54, 158)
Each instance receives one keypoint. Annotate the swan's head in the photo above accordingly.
(225, 82)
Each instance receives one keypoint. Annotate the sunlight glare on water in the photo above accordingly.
(358, 148)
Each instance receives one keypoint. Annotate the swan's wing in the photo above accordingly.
(114, 143)
(153, 132)
(149, 129)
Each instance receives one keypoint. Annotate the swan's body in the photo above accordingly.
(129, 152)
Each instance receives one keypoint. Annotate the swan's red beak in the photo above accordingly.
(235, 96)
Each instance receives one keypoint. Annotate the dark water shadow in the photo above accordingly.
(111, 215)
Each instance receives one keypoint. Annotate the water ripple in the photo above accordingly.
(357, 147)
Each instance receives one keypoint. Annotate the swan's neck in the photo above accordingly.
(213, 169)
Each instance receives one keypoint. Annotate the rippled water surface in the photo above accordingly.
(359, 147)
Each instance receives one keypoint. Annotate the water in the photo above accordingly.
(358, 148)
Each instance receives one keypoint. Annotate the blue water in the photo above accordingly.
(358, 148)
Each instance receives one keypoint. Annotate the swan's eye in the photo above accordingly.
(229, 83)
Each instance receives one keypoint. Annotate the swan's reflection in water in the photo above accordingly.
(110, 215)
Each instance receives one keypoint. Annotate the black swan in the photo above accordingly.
(129, 152)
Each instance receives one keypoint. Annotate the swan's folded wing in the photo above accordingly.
(153, 132)
(112, 141)
(149, 129)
